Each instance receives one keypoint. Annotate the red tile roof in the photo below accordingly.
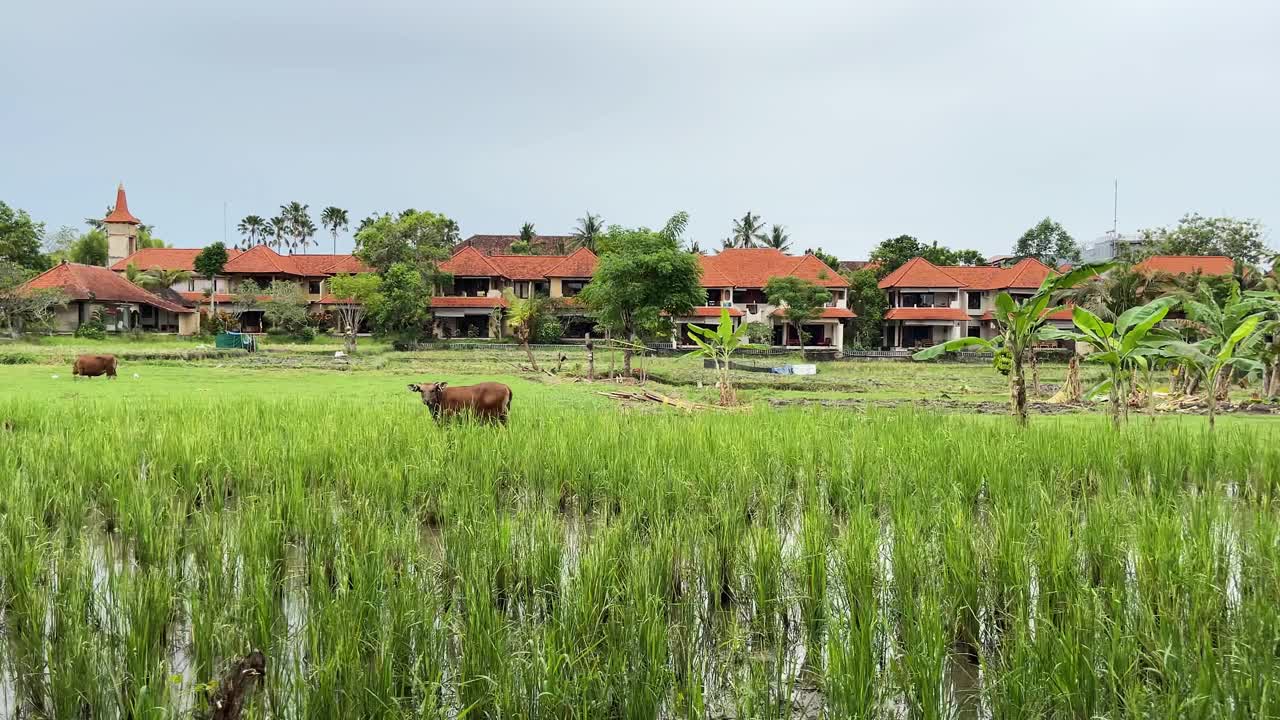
(580, 263)
(120, 213)
(501, 244)
(836, 313)
(524, 267)
(201, 298)
(258, 260)
(164, 259)
(467, 302)
(469, 262)
(1187, 264)
(262, 260)
(712, 312)
(90, 282)
(920, 273)
(753, 267)
(902, 313)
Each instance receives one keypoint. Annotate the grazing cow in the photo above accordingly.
(485, 401)
(94, 365)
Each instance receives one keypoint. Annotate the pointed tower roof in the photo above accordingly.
(121, 212)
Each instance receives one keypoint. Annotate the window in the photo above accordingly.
(313, 287)
(713, 297)
(191, 284)
(975, 331)
(570, 288)
(522, 289)
(975, 302)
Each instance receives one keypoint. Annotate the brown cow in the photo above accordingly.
(94, 365)
(485, 401)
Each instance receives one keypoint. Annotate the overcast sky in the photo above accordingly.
(847, 122)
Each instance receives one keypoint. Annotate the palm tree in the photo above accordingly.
(279, 228)
(778, 239)
(134, 275)
(589, 228)
(334, 219)
(300, 226)
(158, 278)
(524, 315)
(252, 227)
(1120, 289)
(527, 233)
(746, 232)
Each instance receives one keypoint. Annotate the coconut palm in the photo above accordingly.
(589, 228)
(747, 232)
(335, 219)
(778, 239)
(252, 227)
(158, 278)
(134, 275)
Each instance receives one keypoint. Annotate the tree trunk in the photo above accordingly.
(591, 358)
(1275, 379)
(1116, 393)
(524, 340)
(626, 353)
(1035, 373)
(1213, 404)
(1019, 392)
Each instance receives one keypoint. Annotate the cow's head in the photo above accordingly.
(431, 394)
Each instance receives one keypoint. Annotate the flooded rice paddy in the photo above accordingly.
(594, 564)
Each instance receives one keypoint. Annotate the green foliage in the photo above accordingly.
(298, 225)
(244, 298)
(748, 231)
(401, 305)
(285, 306)
(148, 240)
(1239, 239)
(419, 239)
(759, 333)
(20, 239)
(869, 303)
(588, 231)
(550, 330)
(254, 229)
(91, 249)
(19, 306)
(1048, 242)
(827, 259)
(894, 252)
(334, 219)
(803, 299)
(778, 239)
(211, 260)
(94, 328)
(158, 278)
(718, 346)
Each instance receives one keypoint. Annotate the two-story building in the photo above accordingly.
(931, 304)
(735, 278)
(473, 305)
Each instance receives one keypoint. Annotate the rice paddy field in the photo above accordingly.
(596, 561)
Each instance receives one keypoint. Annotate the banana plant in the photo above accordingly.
(719, 345)
(1210, 356)
(1021, 325)
(1123, 346)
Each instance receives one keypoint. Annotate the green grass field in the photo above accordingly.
(597, 560)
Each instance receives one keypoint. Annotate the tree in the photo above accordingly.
(334, 219)
(278, 230)
(354, 295)
(641, 275)
(57, 244)
(20, 239)
(90, 249)
(1120, 289)
(157, 278)
(778, 239)
(1021, 325)
(252, 228)
(869, 303)
(285, 306)
(967, 257)
(209, 263)
(244, 298)
(1048, 242)
(299, 224)
(719, 345)
(894, 252)
(421, 239)
(588, 230)
(802, 299)
(1209, 357)
(747, 232)
(1198, 235)
(827, 259)
(134, 275)
(20, 305)
(401, 307)
(146, 238)
(524, 316)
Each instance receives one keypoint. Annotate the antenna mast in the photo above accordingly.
(1115, 206)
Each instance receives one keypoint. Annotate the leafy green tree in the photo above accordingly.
(252, 228)
(894, 252)
(869, 303)
(20, 239)
(748, 232)
(1048, 242)
(209, 264)
(355, 295)
(244, 299)
(20, 305)
(778, 239)
(134, 275)
(90, 249)
(285, 306)
(1021, 325)
(588, 231)
(524, 315)
(967, 257)
(421, 239)
(401, 308)
(827, 259)
(718, 346)
(641, 275)
(57, 244)
(803, 300)
(1240, 239)
(334, 219)
(147, 239)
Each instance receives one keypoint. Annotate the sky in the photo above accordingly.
(847, 122)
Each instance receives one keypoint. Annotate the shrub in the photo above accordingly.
(473, 331)
(93, 328)
(549, 331)
(759, 333)
(17, 358)
(306, 333)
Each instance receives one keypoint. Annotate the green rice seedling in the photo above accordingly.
(812, 573)
(855, 642)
